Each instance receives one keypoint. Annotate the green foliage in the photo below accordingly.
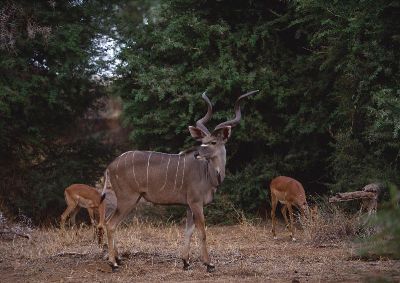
(46, 85)
(46, 75)
(357, 43)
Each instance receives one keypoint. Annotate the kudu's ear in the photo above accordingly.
(196, 133)
(224, 132)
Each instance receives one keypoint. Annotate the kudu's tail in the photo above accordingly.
(106, 182)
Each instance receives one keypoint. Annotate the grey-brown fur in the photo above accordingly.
(190, 178)
(162, 178)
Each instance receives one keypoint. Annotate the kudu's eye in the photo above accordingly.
(213, 142)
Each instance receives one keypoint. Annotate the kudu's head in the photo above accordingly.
(212, 146)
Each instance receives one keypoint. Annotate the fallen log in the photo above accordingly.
(368, 195)
(352, 196)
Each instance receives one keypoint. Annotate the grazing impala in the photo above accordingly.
(190, 178)
(289, 192)
(79, 195)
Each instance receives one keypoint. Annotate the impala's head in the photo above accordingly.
(213, 144)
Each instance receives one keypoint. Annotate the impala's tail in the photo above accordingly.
(106, 184)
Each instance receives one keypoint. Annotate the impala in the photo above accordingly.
(190, 178)
(79, 195)
(289, 192)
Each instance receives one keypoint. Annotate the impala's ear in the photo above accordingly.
(224, 132)
(196, 133)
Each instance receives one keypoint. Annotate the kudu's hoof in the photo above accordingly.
(210, 267)
(114, 266)
(186, 264)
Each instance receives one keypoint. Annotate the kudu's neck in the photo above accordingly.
(219, 162)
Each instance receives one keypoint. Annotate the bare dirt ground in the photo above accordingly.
(150, 253)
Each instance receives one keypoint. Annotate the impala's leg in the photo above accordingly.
(188, 235)
(274, 202)
(71, 208)
(91, 215)
(124, 206)
(72, 218)
(291, 221)
(92, 221)
(284, 210)
(198, 215)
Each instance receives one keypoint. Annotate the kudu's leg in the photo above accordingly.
(274, 202)
(291, 221)
(199, 221)
(188, 235)
(124, 206)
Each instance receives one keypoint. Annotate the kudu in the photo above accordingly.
(190, 178)
(289, 192)
(80, 195)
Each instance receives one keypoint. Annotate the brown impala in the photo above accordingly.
(79, 195)
(289, 192)
(190, 178)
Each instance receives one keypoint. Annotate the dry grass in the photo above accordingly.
(150, 252)
(330, 226)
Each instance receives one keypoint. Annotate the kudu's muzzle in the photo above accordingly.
(203, 153)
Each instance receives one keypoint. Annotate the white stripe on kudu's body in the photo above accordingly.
(183, 171)
(147, 174)
(192, 183)
(133, 169)
(177, 169)
(166, 173)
